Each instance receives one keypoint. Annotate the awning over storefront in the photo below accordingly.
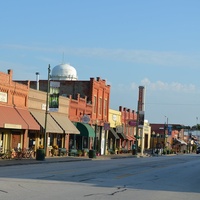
(129, 138)
(52, 126)
(122, 135)
(180, 141)
(132, 137)
(85, 129)
(113, 134)
(119, 130)
(28, 118)
(13, 118)
(194, 137)
(65, 123)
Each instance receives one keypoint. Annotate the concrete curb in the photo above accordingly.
(47, 160)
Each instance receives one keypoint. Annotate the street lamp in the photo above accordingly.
(46, 112)
(152, 144)
(95, 137)
(165, 130)
(157, 135)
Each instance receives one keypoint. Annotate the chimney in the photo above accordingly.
(37, 80)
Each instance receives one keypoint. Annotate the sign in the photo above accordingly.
(132, 123)
(114, 118)
(106, 126)
(141, 118)
(85, 119)
(119, 129)
(169, 129)
(3, 97)
(54, 96)
(13, 126)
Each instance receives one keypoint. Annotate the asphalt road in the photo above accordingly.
(150, 178)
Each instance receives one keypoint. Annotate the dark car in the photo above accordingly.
(198, 150)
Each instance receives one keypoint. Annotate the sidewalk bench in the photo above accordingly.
(62, 151)
(111, 151)
(73, 152)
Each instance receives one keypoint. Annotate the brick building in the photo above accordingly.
(16, 123)
(128, 127)
(88, 99)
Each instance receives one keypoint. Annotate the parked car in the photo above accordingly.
(198, 150)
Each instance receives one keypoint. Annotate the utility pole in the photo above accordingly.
(46, 112)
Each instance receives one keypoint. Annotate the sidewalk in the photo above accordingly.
(5, 162)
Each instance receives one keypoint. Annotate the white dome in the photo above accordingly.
(64, 72)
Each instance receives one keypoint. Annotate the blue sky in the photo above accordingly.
(126, 42)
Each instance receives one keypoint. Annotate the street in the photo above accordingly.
(163, 177)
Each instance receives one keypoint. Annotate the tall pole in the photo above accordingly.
(165, 128)
(95, 137)
(137, 130)
(46, 111)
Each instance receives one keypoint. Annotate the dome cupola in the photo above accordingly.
(64, 72)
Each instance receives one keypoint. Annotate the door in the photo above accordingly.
(16, 140)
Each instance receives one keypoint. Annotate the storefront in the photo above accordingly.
(58, 128)
(86, 138)
(113, 140)
(15, 126)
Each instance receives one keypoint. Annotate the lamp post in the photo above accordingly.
(152, 140)
(165, 128)
(157, 135)
(46, 112)
(95, 137)
(166, 142)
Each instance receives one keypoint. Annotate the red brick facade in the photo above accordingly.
(13, 96)
(128, 115)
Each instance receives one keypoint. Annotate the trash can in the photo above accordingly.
(92, 154)
(40, 154)
(133, 149)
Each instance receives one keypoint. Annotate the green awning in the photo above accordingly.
(85, 129)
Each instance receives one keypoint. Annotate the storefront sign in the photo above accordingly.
(3, 97)
(132, 123)
(13, 126)
(85, 119)
(106, 126)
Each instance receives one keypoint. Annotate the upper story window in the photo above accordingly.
(105, 107)
(100, 106)
(95, 104)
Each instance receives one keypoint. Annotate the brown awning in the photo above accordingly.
(52, 126)
(132, 137)
(11, 119)
(28, 118)
(129, 138)
(65, 123)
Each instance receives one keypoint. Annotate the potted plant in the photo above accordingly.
(79, 152)
(54, 150)
(41, 146)
(85, 152)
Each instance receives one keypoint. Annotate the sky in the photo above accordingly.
(129, 43)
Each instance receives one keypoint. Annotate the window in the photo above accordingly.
(105, 107)
(100, 106)
(95, 104)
